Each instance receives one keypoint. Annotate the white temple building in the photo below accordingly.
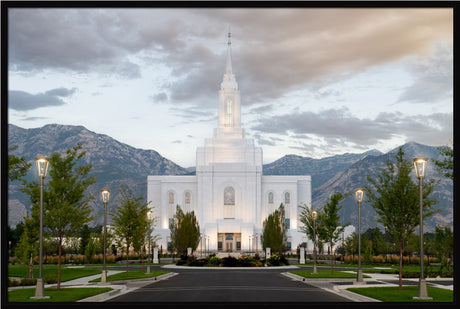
(229, 194)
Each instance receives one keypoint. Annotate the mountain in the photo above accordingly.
(320, 169)
(355, 176)
(114, 163)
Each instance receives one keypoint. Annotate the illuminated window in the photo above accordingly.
(229, 203)
(287, 198)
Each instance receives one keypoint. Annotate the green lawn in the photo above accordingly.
(393, 294)
(325, 273)
(67, 273)
(133, 274)
(63, 295)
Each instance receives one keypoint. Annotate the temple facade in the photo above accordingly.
(229, 193)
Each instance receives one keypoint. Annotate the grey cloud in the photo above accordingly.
(21, 100)
(339, 126)
(433, 78)
(322, 45)
(160, 97)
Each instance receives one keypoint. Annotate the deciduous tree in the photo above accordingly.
(395, 198)
(65, 200)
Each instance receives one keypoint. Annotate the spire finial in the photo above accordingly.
(229, 52)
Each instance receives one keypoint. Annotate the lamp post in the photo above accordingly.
(359, 198)
(420, 169)
(314, 214)
(105, 193)
(149, 217)
(201, 244)
(257, 242)
(41, 164)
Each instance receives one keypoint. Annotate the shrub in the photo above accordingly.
(274, 260)
(50, 278)
(28, 281)
(200, 262)
(215, 260)
(256, 264)
(229, 261)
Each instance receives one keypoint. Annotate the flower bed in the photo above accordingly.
(244, 260)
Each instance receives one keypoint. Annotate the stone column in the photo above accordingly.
(189, 251)
(267, 253)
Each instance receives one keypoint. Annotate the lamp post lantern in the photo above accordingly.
(359, 198)
(105, 193)
(420, 169)
(41, 164)
(314, 214)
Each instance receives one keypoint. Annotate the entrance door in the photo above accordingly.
(229, 246)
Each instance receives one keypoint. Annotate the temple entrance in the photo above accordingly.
(229, 242)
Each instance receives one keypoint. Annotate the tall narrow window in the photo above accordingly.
(229, 203)
(172, 208)
(187, 201)
(270, 197)
(229, 114)
(287, 209)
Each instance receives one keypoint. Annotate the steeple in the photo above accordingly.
(229, 53)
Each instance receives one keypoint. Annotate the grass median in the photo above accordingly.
(325, 273)
(63, 295)
(394, 294)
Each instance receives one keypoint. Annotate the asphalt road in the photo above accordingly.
(248, 286)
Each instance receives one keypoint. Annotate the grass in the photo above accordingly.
(133, 274)
(63, 295)
(325, 273)
(393, 294)
(67, 273)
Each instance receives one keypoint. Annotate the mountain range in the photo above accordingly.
(115, 163)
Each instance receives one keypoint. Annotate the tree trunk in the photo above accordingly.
(401, 249)
(127, 259)
(59, 265)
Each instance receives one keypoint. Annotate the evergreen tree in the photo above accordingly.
(395, 198)
(85, 235)
(65, 203)
(274, 232)
(445, 166)
(17, 166)
(185, 231)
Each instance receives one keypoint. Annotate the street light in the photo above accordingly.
(314, 214)
(149, 217)
(105, 193)
(41, 164)
(359, 198)
(420, 169)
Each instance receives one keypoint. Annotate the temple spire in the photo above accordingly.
(229, 53)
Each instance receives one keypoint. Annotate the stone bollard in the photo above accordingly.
(189, 251)
(302, 255)
(155, 255)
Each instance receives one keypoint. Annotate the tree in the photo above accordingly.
(306, 218)
(28, 244)
(444, 247)
(446, 165)
(274, 231)
(185, 231)
(329, 222)
(351, 245)
(129, 220)
(85, 235)
(17, 166)
(65, 202)
(395, 199)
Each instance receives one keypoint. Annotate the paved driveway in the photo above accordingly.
(255, 286)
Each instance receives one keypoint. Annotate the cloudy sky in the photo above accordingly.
(313, 82)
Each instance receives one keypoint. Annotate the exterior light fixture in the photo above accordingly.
(105, 193)
(359, 198)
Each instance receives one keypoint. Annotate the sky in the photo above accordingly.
(313, 82)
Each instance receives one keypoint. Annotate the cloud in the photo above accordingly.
(323, 45)
(22, 101)
(339, 127)
(433, 77)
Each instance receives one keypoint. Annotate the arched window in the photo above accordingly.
(171, 208)
(187, 201)
(229, 203)
(229, 196)
(270, 197)
(228, 112)
(171, 198)
(287, 198)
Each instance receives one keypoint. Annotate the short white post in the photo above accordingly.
(302, 255)
(189, 251)
(155, 255)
